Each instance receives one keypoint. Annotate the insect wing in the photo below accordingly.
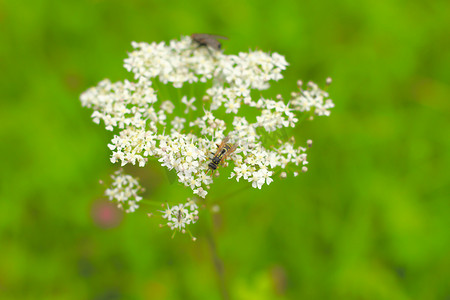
(217, 36)
(204, 36)
(225, 140)
(218, 156)
(208, 40)
(222, 144)
(215, 44)
(231, 150)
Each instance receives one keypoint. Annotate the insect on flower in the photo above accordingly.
(223, 150)
(180, 215)
(205, 40)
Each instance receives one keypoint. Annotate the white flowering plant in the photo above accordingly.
(184, 100)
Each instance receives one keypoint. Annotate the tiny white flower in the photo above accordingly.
(178, 123)
(200, 192)
(189, 104)
(168, 106)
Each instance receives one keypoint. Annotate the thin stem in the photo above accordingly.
(191, 90)
(229, 195)
(218, 264)
(157, 86)
(303, 117)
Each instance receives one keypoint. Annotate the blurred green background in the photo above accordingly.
(369, 220)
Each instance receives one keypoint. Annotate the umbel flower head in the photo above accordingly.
(185, 99)
(178, 216)
(124, 190)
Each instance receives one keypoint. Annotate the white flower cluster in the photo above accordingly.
(180, 215)
(312, 99)
(148, 126)
(124, 190)
(256, 165)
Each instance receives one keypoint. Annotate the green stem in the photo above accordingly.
(303, 117)
(218, 263)
(229, 195)
(157, 86)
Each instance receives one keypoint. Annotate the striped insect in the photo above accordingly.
(223, 151)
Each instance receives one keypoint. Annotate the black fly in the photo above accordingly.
(208, 40)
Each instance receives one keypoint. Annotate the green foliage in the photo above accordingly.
(369, 220)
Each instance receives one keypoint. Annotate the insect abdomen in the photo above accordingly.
(216, 160)
(212, 166)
